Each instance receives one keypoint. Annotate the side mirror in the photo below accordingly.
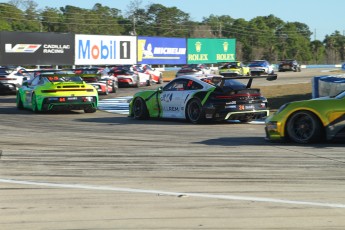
(25, 83)
(160, 89)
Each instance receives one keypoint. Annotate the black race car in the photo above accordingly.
(289, 65)
(199, 98)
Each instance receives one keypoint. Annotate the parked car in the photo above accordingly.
(11, 78)
(57, 91)
(259, 67)
(308, 121)
(289, 65)
(199, 99)
(194, 69)
(235, 68)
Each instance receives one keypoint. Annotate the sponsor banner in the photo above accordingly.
(160, 50)
(105, 50)
(35, 48)
(210, 50)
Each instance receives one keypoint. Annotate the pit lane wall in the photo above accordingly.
(328, 85)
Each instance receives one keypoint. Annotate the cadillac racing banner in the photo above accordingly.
(35, 48)
(160, 50)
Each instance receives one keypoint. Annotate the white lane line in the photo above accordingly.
(179, 194)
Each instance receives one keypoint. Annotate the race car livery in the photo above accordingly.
(56, 91)
(308, 121)
(199, 99)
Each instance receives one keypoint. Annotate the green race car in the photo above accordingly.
(57, 91)
(309, 120)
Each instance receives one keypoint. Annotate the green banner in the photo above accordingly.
(210, 50)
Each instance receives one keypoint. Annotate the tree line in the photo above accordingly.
(263, 37)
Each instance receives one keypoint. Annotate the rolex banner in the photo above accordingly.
(207, 51)
(35, 48)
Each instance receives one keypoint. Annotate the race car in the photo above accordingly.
(235, 68)
(259, 67)
(308, 121)
(156, 76)
(55, 91)
(103, 83)
(193, 69)
(199, 99)
(289, 65)
(11, 78)
(130, 76)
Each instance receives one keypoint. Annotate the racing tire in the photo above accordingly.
(160, 80)
(34, 103)
(19, 102)
(149, 82)
(137, 83)
(114, 87)
(304, 127)
(194, 112)
(106, 89)
(90, 110)
(139, 109)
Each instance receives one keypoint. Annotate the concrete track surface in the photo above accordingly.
(107, 171)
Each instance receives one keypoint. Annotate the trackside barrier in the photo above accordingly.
(328, 85)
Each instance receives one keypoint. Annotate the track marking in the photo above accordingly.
(178, 194)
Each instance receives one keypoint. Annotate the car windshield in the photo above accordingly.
(257, 63)
(340, 95)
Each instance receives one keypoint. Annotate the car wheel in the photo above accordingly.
(114, 87)
(304, 127)
(19, 102)
(90, 110)
(137, 83)
(106, 89)
(149, 82)
(34, 103)
(139, 110)
(160, 80)
(195, 113)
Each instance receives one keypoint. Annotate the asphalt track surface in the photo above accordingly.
(108, 171)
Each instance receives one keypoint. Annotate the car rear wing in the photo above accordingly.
(269, 77)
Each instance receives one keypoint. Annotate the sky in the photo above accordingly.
(322, 17)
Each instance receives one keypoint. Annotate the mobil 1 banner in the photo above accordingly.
(105, 50)
(160, 50)
(33, 48)
(211, 50)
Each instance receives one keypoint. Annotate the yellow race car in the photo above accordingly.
(235, 68)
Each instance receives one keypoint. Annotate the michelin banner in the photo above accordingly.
(105, 50)
(159, 50)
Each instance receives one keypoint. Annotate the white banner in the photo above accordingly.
(105, 50)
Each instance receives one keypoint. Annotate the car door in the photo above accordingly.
(29, 89)
(172, 98)
(176, 95)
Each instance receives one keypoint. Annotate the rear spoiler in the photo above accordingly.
(269, 77)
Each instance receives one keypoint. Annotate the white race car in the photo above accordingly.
(11, 78)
